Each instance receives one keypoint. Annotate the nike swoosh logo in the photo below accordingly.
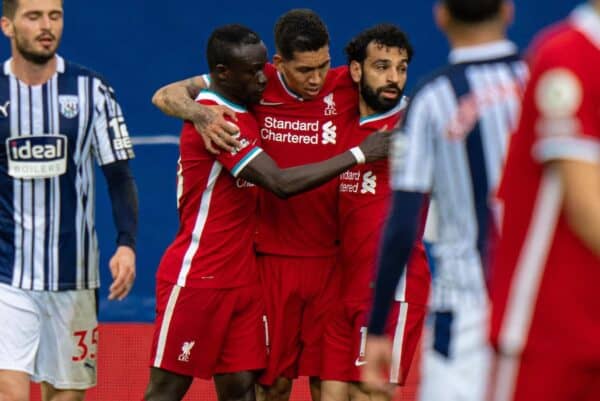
(265, 103)
(359, 362)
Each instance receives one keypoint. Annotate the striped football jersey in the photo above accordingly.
(453, 146)
(50, 135)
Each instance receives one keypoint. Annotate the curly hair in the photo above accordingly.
(384, 34)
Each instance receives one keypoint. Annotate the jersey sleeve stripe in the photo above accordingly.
(570, 148)
(235, 171)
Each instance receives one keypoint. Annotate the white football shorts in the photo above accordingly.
(456, 357)
(51, 335)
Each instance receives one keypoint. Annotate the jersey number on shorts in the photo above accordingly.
(83, 346)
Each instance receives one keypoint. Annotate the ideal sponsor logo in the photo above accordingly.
(40, 156)
(36, 148)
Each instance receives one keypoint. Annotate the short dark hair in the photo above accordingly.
(299, 30)
(384, 34)
(9, 8)
(473, 11)
(224, 40)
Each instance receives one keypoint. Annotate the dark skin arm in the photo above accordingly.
(284, 183)
(177, 100)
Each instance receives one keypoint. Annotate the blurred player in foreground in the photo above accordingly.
(546, 310)
(452, 147)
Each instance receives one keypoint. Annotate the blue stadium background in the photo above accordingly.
(139, 45)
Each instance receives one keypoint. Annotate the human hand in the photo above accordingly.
(216, 132)
(122, 269)
(376, 146)
(375, 372)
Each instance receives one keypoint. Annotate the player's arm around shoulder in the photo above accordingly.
(263, 170)
(177, 99)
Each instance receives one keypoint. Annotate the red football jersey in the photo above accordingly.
(217, 211)
(295, 132)
(364, 201)
(545, 278)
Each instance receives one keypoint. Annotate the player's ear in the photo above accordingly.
(278, 62)
(222, 72)
(7, 27)
(355, 71)
(507, 12)
(441, 16)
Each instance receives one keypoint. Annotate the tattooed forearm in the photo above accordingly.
(194, 86)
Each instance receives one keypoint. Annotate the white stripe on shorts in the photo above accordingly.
(164, 327)
(505, 380)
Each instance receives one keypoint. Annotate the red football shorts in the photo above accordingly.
(201, 332)
(299, 293)
(346, 339)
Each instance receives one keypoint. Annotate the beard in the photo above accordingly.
(25, 49)
(373, 98)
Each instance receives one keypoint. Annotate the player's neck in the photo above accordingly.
(364, 109)
(474, 36)
(225, 94)
(31, 73)
(596, 5)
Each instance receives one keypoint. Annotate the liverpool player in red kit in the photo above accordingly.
(208, 292)
(378, 60)
(296, 239)
(546, 308)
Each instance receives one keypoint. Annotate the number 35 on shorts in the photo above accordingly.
(86, 344)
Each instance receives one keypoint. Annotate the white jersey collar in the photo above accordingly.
(487, 51)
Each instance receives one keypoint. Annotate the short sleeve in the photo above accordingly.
(110, 138)
(238, 159)
(412, 152)
(566, 106)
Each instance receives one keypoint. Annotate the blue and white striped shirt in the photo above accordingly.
(452, 147)
(49, 135)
